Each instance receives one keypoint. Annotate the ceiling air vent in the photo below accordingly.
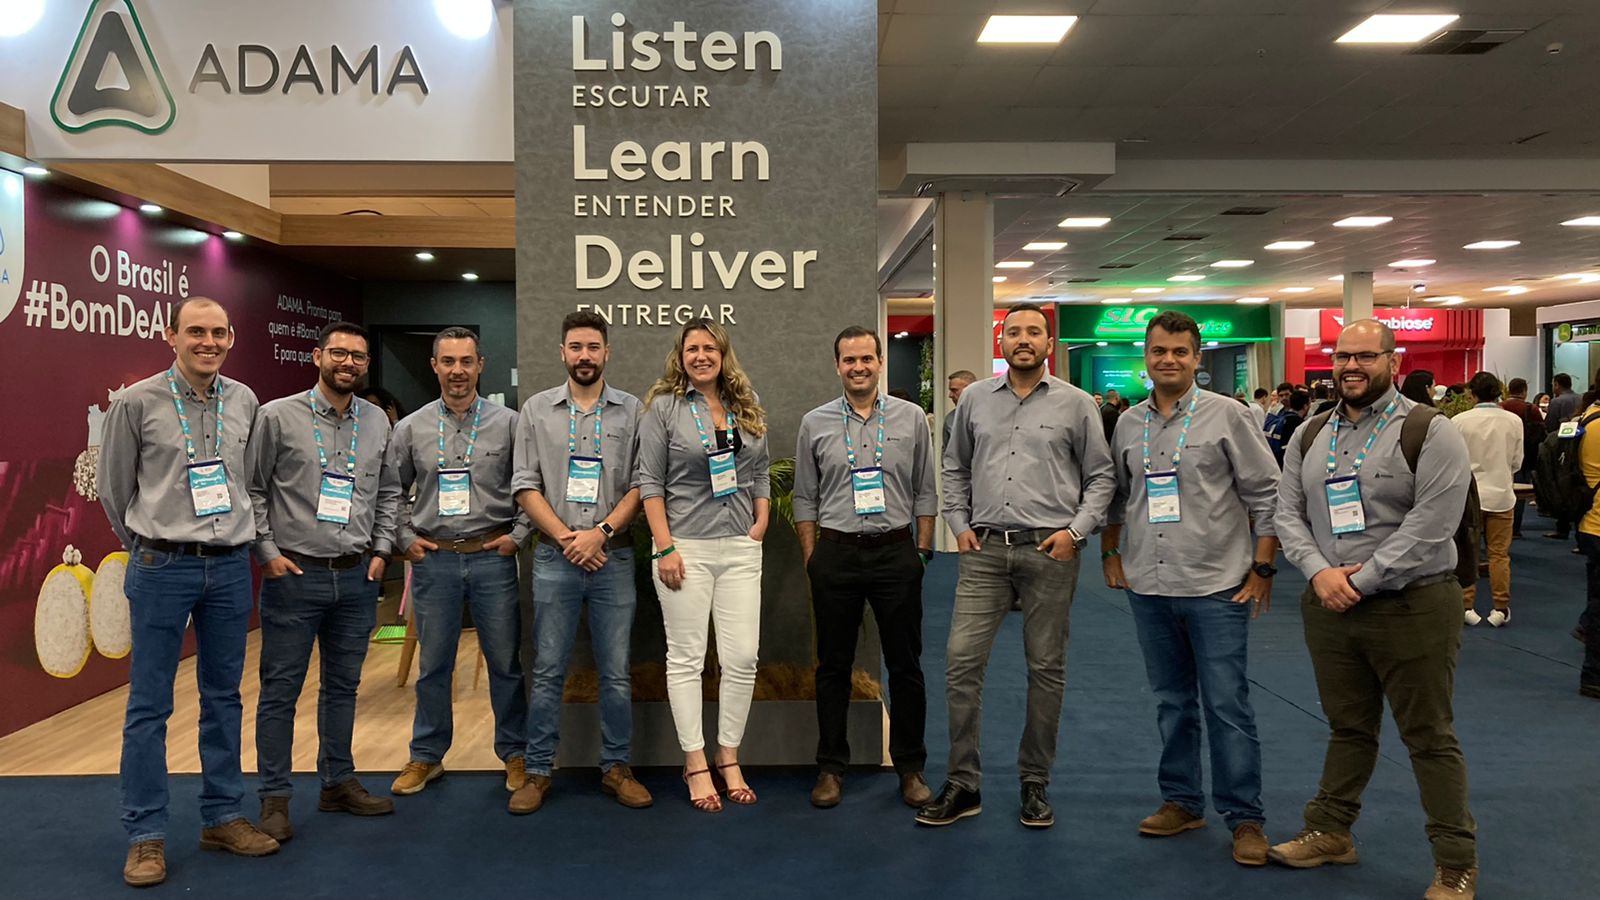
(1248, 210)
(1186, 236)
(1465, 41)
(1081, 280)
(1118, 265)
(1000, 185)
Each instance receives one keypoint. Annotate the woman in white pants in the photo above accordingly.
(703, 478)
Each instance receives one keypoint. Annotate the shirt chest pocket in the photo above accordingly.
(233, 455)
(1208, 461)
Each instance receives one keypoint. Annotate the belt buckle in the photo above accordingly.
(1006, 537)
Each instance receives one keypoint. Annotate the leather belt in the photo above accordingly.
(347, 561)
(1425, 581)
(188, 548)
(472, 544)
(866, 540)
(620, 540)
(1016, 537)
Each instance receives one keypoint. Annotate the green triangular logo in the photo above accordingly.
(112, 78)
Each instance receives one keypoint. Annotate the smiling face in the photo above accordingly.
(458, 366)
(1025, 340)
(1363, 368)
(702, 359)
(859, 365)
(1171, 358)
(584, 352)
(200, 339)
(342, 363)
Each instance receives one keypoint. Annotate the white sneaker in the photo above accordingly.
(1499, 617)
(1472, 617)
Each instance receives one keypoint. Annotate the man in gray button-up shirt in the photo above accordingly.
(186, 540)
(1383, 610)
(863, 472)
(1027, 477)
(326, 503)
(1193, 471)
(461, 535)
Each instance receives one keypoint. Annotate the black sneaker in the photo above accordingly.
(1036, 811)
(1590, 690)
(954, 802)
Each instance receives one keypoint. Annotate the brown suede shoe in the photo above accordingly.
(530, 796)
(275, 819)
(516, 774)
(1311, 848)
(1453, 884)
(620, 783)
(239, 837)
(914, 790)
(146, 865)
(1250, 845)
(352, 798)
(1169, 820)
(828, 791)
(414, 777)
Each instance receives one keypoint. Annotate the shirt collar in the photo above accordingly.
(1003, 382)
(1377, 405)
(844, 399)
(325, 406)
(609, 396)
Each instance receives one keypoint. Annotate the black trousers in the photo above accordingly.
(843, 580)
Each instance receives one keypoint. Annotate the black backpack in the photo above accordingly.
(1558, 482)
(1412, 434)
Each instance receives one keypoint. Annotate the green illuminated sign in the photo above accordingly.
(1127, 323)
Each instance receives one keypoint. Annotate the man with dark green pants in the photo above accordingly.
(1375, 536)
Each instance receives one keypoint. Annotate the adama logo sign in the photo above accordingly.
(112, 77)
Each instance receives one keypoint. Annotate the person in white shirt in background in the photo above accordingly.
(1494, 443)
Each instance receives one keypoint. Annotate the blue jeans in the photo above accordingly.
(337, 610)
(487, 582)
(164, 590)
(560, 590)
(1195, 651)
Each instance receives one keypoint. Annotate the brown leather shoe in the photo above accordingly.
(914, 790)
(530, 796)
(239, 837)
(146, 865)
(352, 798)
(1250, 844)
(516, 774)
(1453, 884)
(620, 783)
(1169, 820)
(828, 791)
(275, 819)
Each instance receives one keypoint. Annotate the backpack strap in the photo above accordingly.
(1414, 432)
(1312, 428)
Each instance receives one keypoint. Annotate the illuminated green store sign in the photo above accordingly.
(1078, 324)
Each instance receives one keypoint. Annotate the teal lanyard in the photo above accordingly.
(849, 445)
(355, 429)
(572, 427)
(1333, 442)
(705, 440)
(1183, 435)
(472, 437)
(183, 417)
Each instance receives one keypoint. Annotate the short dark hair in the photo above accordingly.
(1485, 387)
(1517, 387)
(1173, 322)
(855, 331)
(177, 311)
(1299, 401)
(1049, 326)
(585, 318)
(456, 333)
(1261, 392)
(1286, 386)
(342, 327)
(1562, 379)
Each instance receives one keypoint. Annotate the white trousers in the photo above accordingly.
(721, 584)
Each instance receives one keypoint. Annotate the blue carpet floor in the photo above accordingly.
(1532, 745)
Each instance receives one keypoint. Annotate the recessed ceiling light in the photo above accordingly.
(1327, 350)
(1211, 343)
(1148, 290)
(1392, 29)
(1455, 301)
(1289, 245)
(233, 235)
(1510, 290)
(1251, 300)
(1101, 344)
(1232, 263)
(1581, 277)
(424, 256)
(1138, 343)
(1490, 245)
(149, 208)
(903, 334)
(998, 278)
(1083, 222)
(1296, 290)
(1363, 221)
(1411, 263)
(1117, 300)
(469, 276)
(1044, 246)
(1026, 29)
(35, 171)
(1337, 278)
(1015, 264)
(1187, 278)
(1444, 299)
(1584, 222)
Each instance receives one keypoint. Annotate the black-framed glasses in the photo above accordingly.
(340, 354)
(1365, 359)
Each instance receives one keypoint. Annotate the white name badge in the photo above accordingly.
(724, 473)
(455, 492)
(208, 488)
(1344, 505)
(1161, 497)
(1568, 430)
(335, 498)
(583, 479)
(866, 484)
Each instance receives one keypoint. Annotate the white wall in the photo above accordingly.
(1505, 355)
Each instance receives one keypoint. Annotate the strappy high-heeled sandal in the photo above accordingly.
(711, 804)
(743, 796)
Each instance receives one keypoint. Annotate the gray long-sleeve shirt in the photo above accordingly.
(672, 464)
(1411, 519)
(142, 477)
(822, 486)
(1226, 475)
(286, 478)
(543, 431)
(1563, 406)
(1038, 462)
(414, 457)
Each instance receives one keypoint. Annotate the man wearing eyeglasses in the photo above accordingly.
(1375, 536)
(326, 505)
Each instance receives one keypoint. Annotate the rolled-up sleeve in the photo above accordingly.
(958, 470)
(807, 476)
(1117, 511)
(1289, 519)
(653, 443)
(261, 455)
(386, 513)
(116, 475)
(760, 470)
(1443, 476)
(1255, 471)
(398, 459)
(925, 488)
(1099, 477)
(525, 472)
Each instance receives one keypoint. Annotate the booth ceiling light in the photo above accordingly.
(1087, 222)
(1138, 343)
(35, 171)
(903, 334)
(149, 208)
(1328, 350)
(1289, 245)
(1026, 29)
(1148, 290)
(1111, 300)
(998, 278)
(466, 19)
(1337, 278)
(1363, 221)
(1251, 300)
(1581, 277)
(233, 235)
(1583, 222)
(1393, 29)
(1044, 246)
(1455, 301)
(19, 16)
(469, 276)
(1411, 263)
(1187, 278)
(1102, 344)
(1015, 264)
(1490, 245)
(1510, 290)
(1232, 263)
(1445, 299)
(1296, 290)
(424, 256)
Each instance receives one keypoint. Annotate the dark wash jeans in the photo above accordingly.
(164, 590)
(1590, 620)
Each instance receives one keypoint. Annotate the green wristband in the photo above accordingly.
(665, 552)
(1110, 553)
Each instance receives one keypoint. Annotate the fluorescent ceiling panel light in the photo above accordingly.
(1148, 290)
(1363, 221)
(1289, 245)
(1411, 263)
(1490, 245)
(1015, 264)
(1084, 222)
(1026, 29)
(1109, 300)
(1187, 278)
(1251, 300)
(1296, 290)
(1232, 263)
(1044, 246)
(1583, 222)
(1392, 29)
(998, 278)
(1510, 290)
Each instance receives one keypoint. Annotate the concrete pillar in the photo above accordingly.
(1357, 296)
(963, 302)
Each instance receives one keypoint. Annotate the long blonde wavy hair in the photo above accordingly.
(733, 384)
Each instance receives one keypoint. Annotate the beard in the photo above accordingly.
(1363, 396)
(330, 381)
(1029, 366)
(585, 375)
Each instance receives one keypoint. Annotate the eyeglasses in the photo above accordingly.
(1365, 359)
(340, 354)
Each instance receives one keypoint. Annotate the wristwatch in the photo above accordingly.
(606, 530)
(1264, 569)
(1078, 540)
